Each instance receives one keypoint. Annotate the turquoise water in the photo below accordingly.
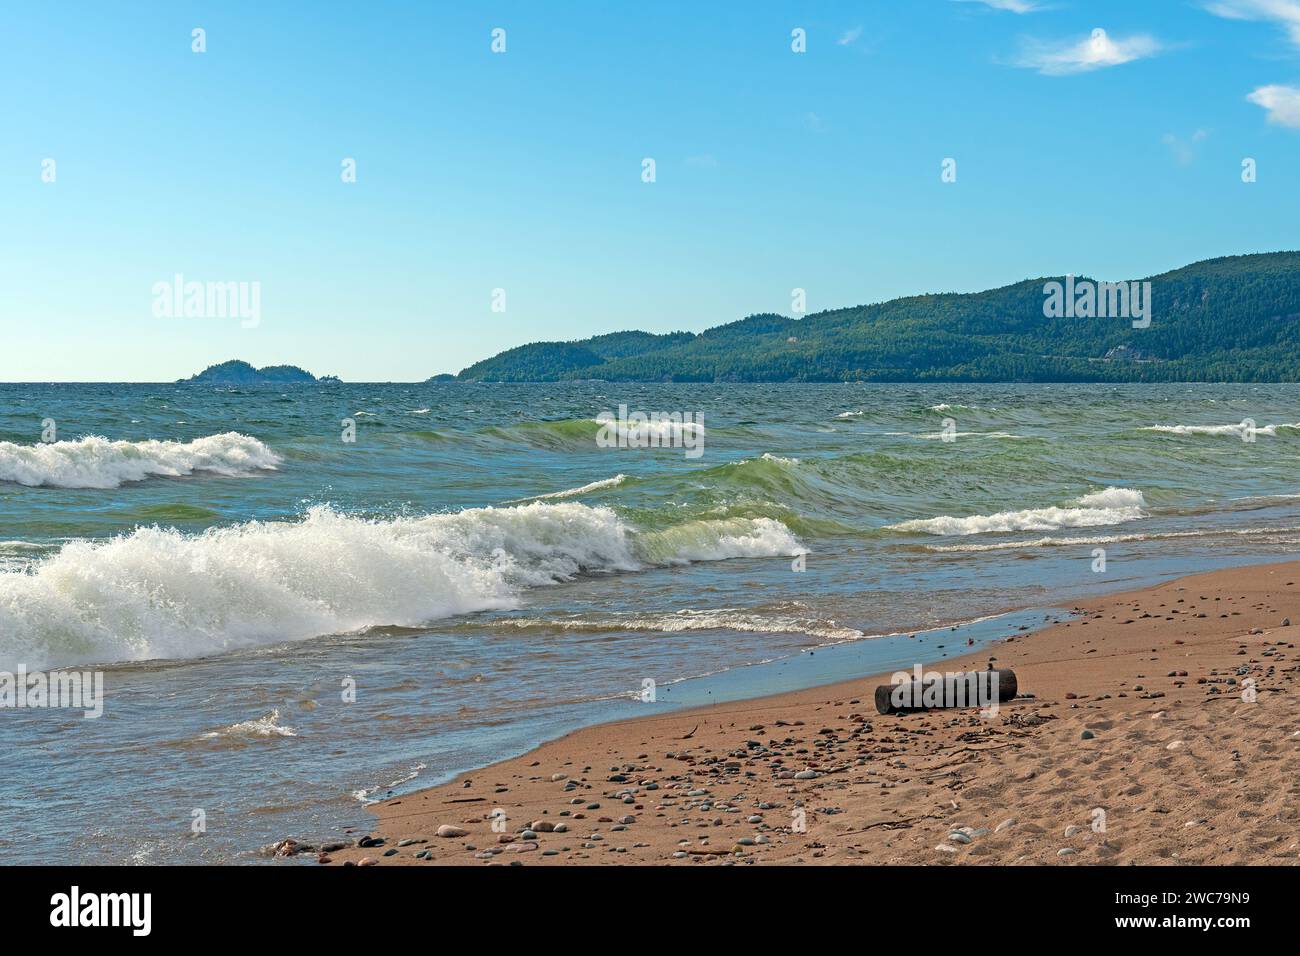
(487, 575)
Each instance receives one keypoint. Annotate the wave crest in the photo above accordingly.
(1111, 506)
(161, 593)
(96, 462)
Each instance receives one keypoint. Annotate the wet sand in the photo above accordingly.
(1163, 727)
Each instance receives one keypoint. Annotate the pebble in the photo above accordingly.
(447, 830)
(807, 775)
(1009, 822)
(1066, 851)
(1087, 735)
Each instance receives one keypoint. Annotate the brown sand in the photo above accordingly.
(1184, 769)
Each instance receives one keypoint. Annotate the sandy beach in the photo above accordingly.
(1143, 742)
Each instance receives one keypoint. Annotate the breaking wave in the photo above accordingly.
(95, 462)
(162, 593)
(1111, 506)
(1237, 431)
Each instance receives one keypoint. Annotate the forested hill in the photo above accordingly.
(1229, 319)
(236, 372)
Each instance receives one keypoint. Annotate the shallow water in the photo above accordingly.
(230, 563)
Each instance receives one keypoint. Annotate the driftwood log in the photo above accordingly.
(968, 689)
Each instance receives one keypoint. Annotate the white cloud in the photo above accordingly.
(1285, 13)
(1015, 6)
(1281, 102)
(1098, 51)
(849, 36)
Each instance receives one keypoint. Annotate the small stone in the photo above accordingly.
(1066, 851)
(447, 830)
(1087, 735)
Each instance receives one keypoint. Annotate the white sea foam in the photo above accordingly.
(265, 726)
(1237, 431)
(1051, 542)
(727, 618)
(161, 593)
(940, 436)
(582, 490)
(1113, 498)
(96, 462)
(1111, 506)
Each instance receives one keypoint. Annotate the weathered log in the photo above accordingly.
(934, 691)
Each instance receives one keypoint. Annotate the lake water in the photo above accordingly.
(291, 624)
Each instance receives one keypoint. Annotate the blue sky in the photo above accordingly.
(1116, 155)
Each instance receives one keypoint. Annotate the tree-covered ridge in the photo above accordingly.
(236, 372)
(1228, 319)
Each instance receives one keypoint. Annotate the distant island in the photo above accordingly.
(236, 372)
(1231, 319)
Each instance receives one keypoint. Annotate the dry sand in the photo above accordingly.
(1136, 747)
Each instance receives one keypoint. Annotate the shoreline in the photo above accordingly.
(1082, 769)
